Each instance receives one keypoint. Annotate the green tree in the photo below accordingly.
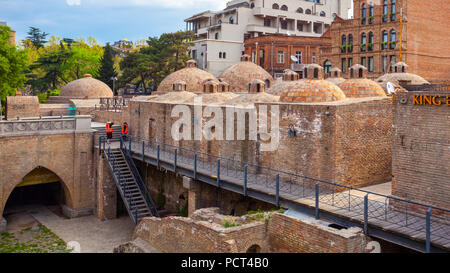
(107, 70)
(37, 37)
(13, 63)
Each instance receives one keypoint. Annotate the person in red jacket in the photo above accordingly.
(109, 132)
(125, 130)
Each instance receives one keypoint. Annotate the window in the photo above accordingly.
(299, 10)
(392, 61)
(363, 14)
(220, 55)
(252, 5)
(371, 13)
(284, 24)
(327, 67)
(350, 62)
(393, 40)
(350, 43)
(393, 10)
(267, 22)
(323, 14)
(314, 57)
(344, 43)
(370, 44)
(231, 20)
(216, 36)
(275, 6)
(384, 63)
(370, 64)
(385, 40)
(281, 57)
(254, 57)
(363, 61)
(299, 57)
(385, 10)
(343, 63)
(224, 55)
(308, 11)
(284, 7)
(363, 42)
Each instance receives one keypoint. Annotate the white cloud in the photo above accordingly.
(73, 2)
(175, 4)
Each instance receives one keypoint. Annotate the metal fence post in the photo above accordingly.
(366, 214)
(129, 144)
(175, 160)
(195, 165)
(218, 173)
(317, 200)
(99, 145)
(157, 155)
(428, 230)
(245, 180)
(277, 193)
(121, 142)
(143, 150)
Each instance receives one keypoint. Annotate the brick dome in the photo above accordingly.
(362, 88)
(191, 75)
(86, 87)
(240, 75)
(311, 91)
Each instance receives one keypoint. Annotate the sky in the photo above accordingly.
(105, 20)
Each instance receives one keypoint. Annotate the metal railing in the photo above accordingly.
(368, 208)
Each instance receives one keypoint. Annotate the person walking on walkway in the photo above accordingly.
(109, 132)
(125, 131)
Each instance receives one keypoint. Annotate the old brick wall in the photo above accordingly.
(421, 153)
(116, 117)
(22, 107)
(69, 156)
(291, 235)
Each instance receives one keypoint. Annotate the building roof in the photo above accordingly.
(396, 78)
(362, 88)
(336, 81)
(312, 91)
(191, 75)
(240, 75)
(252, 98)
(86, 88)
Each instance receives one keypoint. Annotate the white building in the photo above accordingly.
(221, 34)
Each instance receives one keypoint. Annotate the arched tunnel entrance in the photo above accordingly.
(40, 187)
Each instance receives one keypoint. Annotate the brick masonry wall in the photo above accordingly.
(22, 107)
(69, 156)
(421, 152)
(291, 235)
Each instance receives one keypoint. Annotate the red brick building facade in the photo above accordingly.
(381, 28)
(273, 52)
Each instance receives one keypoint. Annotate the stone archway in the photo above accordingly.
(38, 175)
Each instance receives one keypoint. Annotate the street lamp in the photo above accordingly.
(114, 79)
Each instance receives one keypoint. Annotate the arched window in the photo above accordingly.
(363, 14)
(385, 10)
(216, 36)
(385, 40)
(323, 14)
(327, 67)
(370, 44)
(284, 7)
(371, 8)
(284, 24)
(231, 20)
(393, 10)
(344, 43)
(299, 10)
(220, 55)
(350, 43)
(393, 39)
(224, 55)
(308, 11)
(275, 6)
(363, 42)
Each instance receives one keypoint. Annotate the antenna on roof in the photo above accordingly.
(390, 88)
(294, 59)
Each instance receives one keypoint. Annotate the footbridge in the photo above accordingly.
(414, 225)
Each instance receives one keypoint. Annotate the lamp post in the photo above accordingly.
(114, 79)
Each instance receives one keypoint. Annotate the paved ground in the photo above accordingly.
(93, 235)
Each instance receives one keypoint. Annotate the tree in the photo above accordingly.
(13, 63)
(37, 37)
(151, 64)
(107, 70)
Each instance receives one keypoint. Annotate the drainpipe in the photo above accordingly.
(271, 59)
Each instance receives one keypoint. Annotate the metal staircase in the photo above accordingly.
(133, 190)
